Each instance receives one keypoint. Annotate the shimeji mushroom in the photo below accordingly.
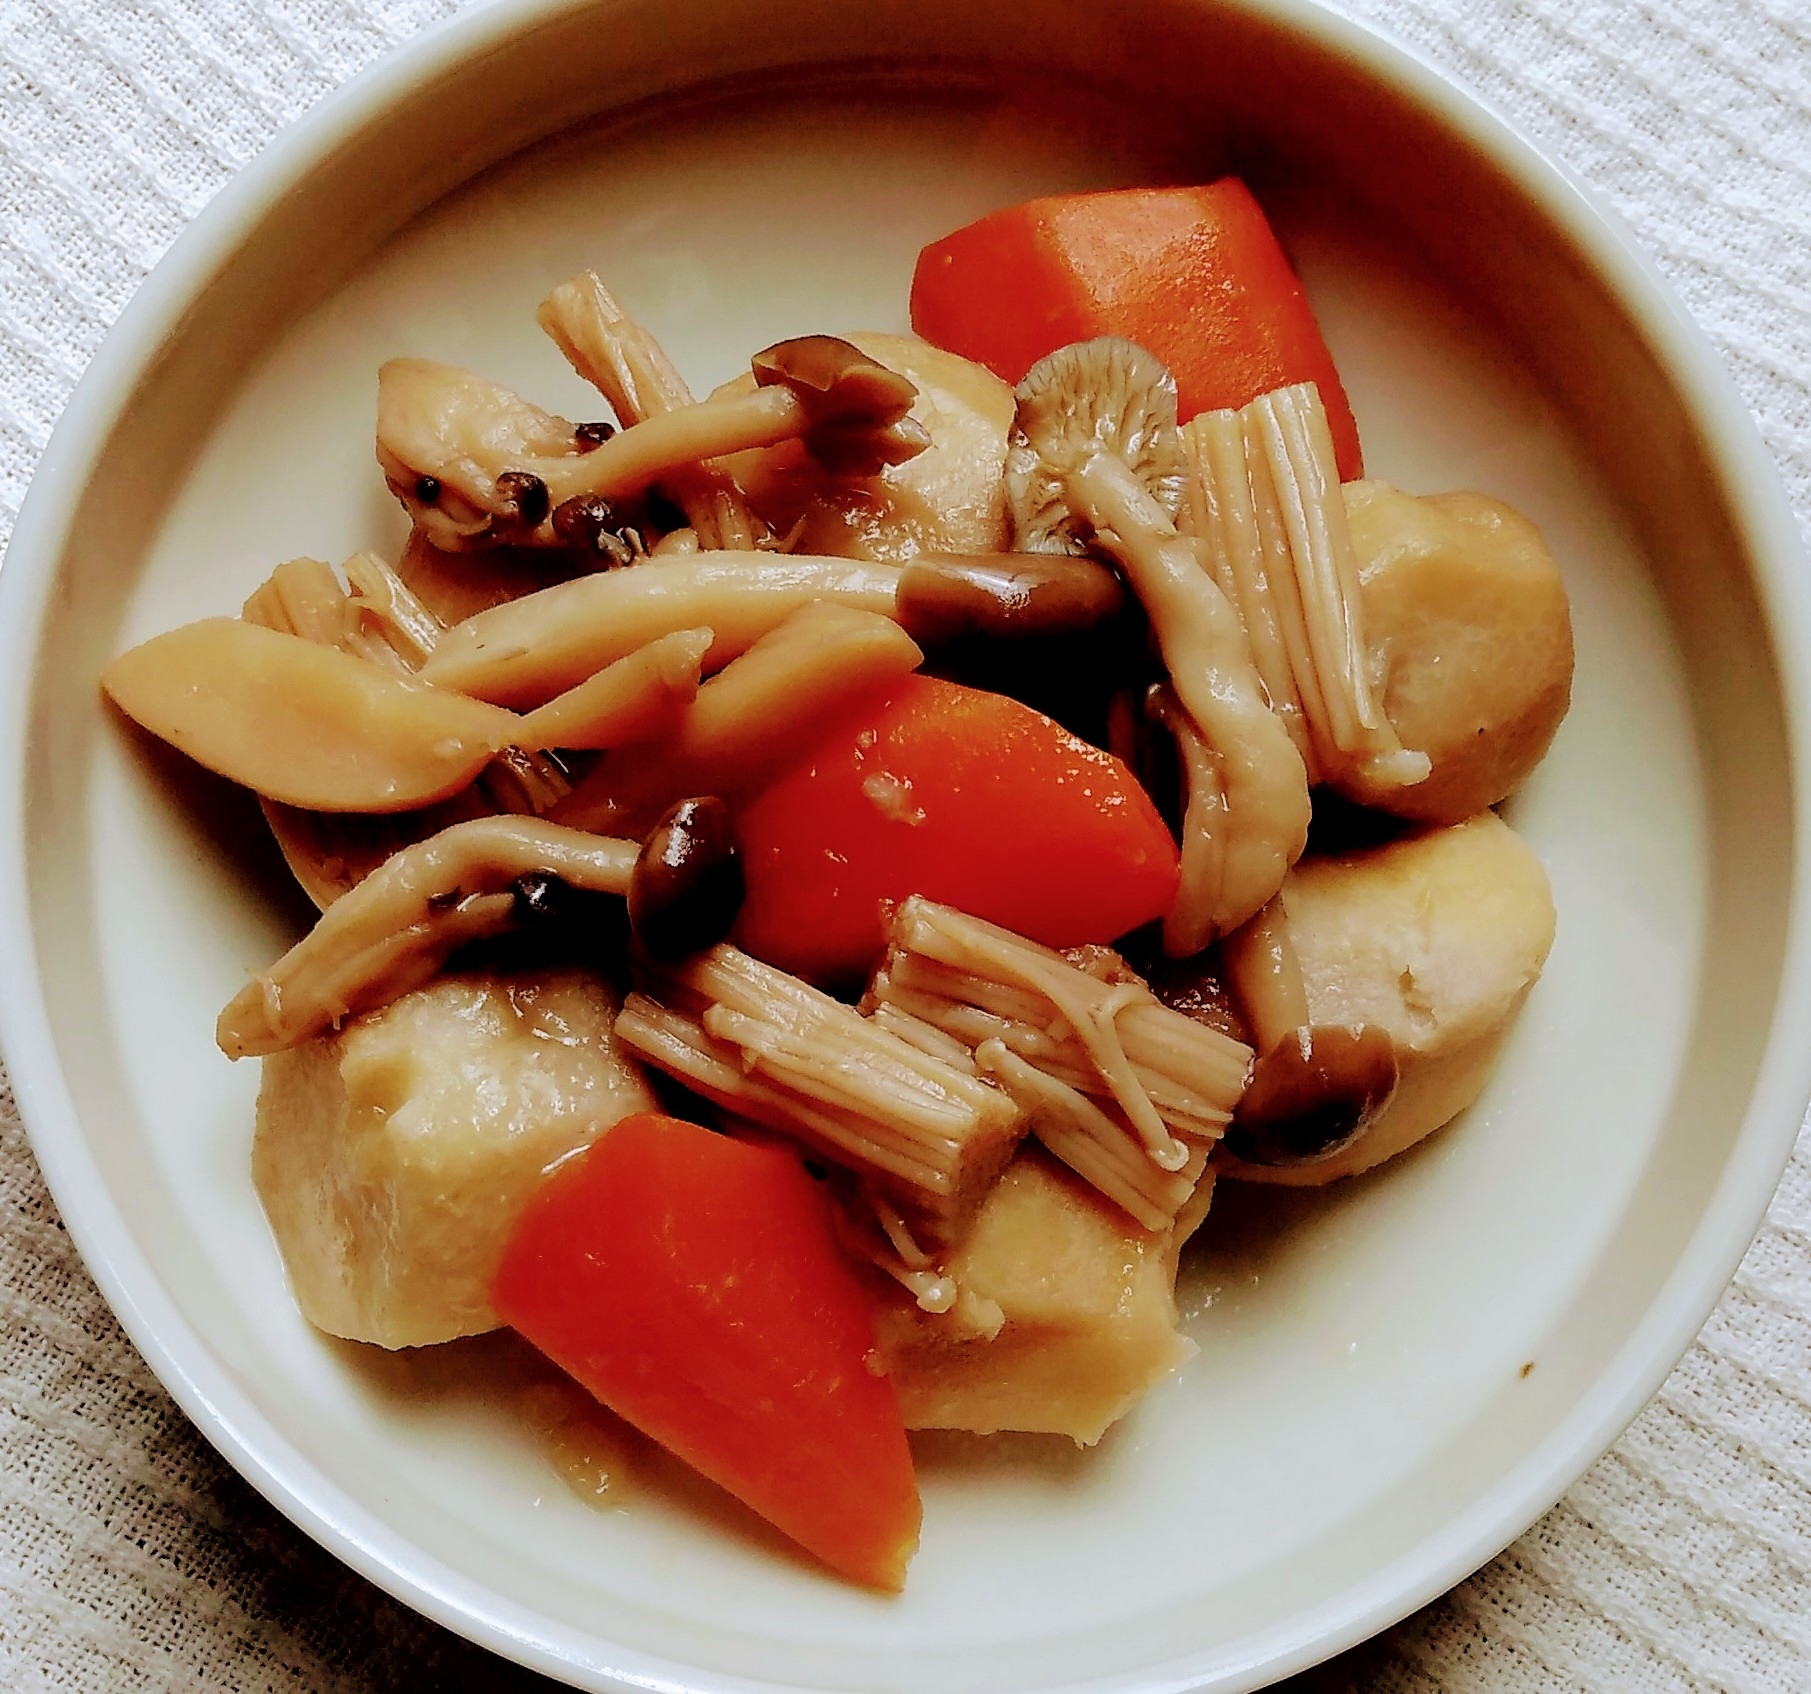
(397, 928)
(618, 357)
(1095, 459)
(526, 651)
(476, 464)
(1315, 1089)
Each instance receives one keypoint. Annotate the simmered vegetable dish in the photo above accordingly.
(818, 882)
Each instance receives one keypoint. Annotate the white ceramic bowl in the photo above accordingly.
(1362, 1427)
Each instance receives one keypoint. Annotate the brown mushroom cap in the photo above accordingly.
(1106, 397)
(855, 405)
(835, 380)
(943, 597)
(1313, 1095)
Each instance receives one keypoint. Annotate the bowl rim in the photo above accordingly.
(181, 1359)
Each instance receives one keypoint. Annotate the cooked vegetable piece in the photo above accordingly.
(1095, 458)
(1433, 941)
(965, 797)
(614, 353)
(694, 1284)
(400, 925)
(640, 696)
(475, 464)
(526, 652)
(930, 1135)
(393, 1155)
(1126, 1092)
(1086, 1315)
(376, 617)
(302, 723)
(749, 720)
(1467, 617)
(1194, 274)
(947, 499)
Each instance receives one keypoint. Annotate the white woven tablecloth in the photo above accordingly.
(131, 1558)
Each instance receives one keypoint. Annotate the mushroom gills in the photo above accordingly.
(1095, 459)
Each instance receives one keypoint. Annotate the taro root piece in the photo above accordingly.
(1095, 458)
(749, 719)
(524, 653)
(947, 499)
(498, 468)
(686, 888)
(1126, 1092)
(1263, 496)
(1433, 941)
(302, 723)
(928, 1135)
(1081, 1318)
(394, 930)
(1472, 634)
(393, 1155)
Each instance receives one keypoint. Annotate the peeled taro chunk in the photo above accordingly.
(393, 1156)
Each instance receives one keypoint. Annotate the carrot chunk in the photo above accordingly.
(695, 1286)
(966, 797)
(1194, 274)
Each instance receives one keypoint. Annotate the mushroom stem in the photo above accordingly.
(614, 353)
(755, 713)
(483, 465)
(397, 927)
(1261, 960)
(1261, 808)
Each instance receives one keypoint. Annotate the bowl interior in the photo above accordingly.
(1363, 1406)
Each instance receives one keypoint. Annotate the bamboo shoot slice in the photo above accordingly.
(302, 723)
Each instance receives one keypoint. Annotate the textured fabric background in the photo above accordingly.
(131, 1558)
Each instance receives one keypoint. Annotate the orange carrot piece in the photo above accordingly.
(1194, 274)
(695, 1286)
(966, 797)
